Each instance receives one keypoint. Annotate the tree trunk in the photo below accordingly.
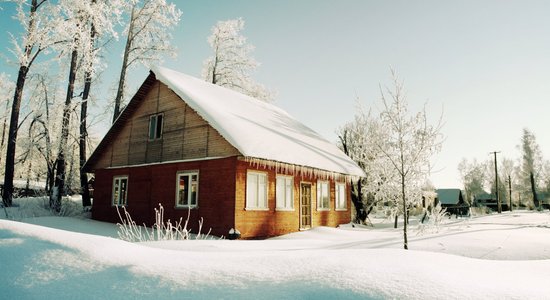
(59, 185)
(122, 80)
(357, 199)
(85, 192)
(405, 213)
(7, 192)
(82, 142)
(4, 126)
(534, 190)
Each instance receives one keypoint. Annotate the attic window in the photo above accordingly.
(155, 126)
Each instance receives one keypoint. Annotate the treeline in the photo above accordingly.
(60, 52)
(523, 181)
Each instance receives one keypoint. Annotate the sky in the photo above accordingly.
(484, 65)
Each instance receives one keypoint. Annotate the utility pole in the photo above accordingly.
(510, 190)
(499, 206)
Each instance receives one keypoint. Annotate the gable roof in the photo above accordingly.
(258, 130)
(449, 196)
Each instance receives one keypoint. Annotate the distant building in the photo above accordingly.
(453, 201)
(490, 201)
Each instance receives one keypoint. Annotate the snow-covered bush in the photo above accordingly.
(434, 219)
(129, 231)
(30, 207)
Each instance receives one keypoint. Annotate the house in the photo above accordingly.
(232, 160)
(490, 201)
(453, 201)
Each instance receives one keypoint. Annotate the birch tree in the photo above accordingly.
(40, 24)
(231, 63)
(408, 142)
(147, 39)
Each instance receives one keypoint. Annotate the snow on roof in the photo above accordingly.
(257, 129)
(449, 196)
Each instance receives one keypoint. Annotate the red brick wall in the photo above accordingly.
(222, 198)
(256, 224)
(153, 184)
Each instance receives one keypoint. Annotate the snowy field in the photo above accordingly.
(503, 256)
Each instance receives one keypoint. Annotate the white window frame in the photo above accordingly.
(190, 175)
(154, 124)
(116, 201)
(321, 194)
(254, 191)
(340, 195)
(284, 193)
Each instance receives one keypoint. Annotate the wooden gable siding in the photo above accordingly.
(273, 222)
(185, 134)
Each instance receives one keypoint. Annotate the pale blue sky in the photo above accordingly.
(486, 64)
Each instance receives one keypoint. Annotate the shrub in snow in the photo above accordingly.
(129, 231)
(434, 219)
(30, 207)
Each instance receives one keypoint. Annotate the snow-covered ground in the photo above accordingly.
(494, 256)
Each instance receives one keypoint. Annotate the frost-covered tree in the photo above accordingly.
(408, 142)
(473, 176)
(6, 91)
(394, 148)
(84, 20)
(147, 38)
(357, 140)
(530, 165)
(231, 63)
(41, 22)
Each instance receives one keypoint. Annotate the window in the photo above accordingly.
(284, 193)
(256, 191)
(340, 195)
(323, 197)
(155, 127)
(120, 190)
(187, 191)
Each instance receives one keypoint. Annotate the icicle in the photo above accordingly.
(297, 170)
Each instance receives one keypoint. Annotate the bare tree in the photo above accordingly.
(531, 164)
(357, 140)
(231, 64)
(84, 20)
(39, 24)
(473, 176)
(408, 143)
(6, 89)
(148, 36)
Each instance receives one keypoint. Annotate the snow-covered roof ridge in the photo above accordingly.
(257, 129)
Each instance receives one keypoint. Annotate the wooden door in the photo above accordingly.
(305, 205)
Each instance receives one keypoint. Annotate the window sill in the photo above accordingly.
(186, 207)
(323, 209)
(341, 209)
(284, 209)
(256, 209)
